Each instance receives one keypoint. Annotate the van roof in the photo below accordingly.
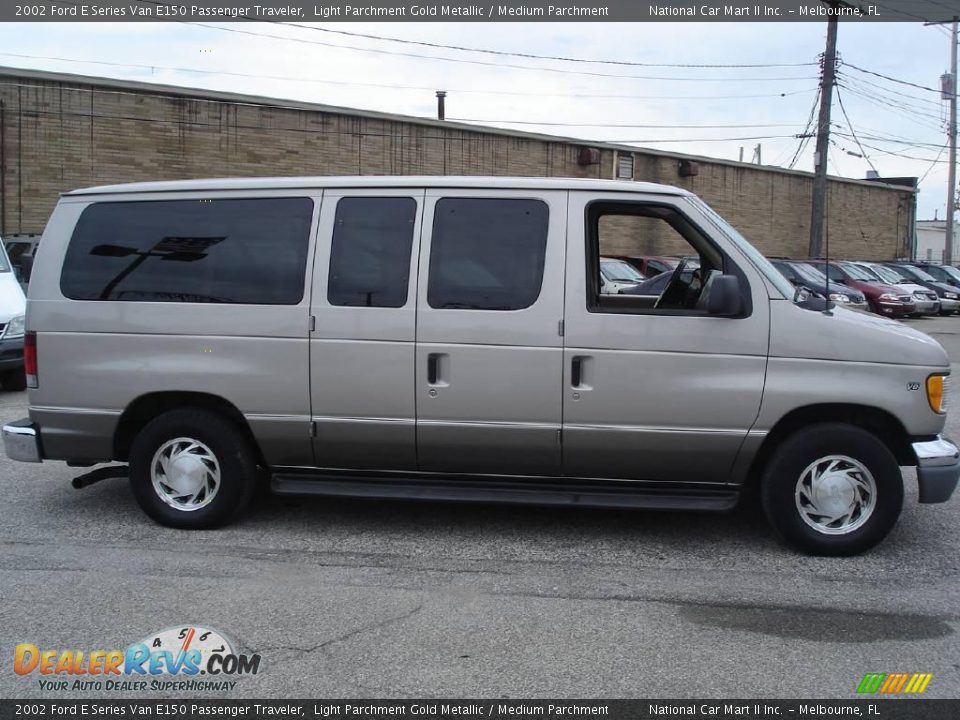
(382, 181)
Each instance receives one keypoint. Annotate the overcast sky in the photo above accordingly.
(892, 120)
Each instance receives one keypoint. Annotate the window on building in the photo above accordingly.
(487, 253)
(370, 251)
(624, 166)
(250, 251)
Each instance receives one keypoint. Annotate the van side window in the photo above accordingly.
(487, 253)
(251, 251)
(370, 252)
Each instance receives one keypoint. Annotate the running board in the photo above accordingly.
(504, 491)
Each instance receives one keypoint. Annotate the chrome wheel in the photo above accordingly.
(835, 495)
(185, 474)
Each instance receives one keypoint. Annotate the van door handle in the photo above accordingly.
(580, 369)
(433, 363)
(438, 370)
(576, 371)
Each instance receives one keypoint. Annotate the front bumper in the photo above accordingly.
(948, 306)
(927, 307)
(21, 441)
(938, 469)
(896, 309)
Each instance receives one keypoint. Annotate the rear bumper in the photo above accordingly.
(21, 441)
(938, 469)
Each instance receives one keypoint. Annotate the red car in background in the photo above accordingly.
(883, 299)
(653, 265)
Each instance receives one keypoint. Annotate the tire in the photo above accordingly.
(855, 471)
(14, 380)
(210, 466)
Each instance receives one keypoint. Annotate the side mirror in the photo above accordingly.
(725, 299)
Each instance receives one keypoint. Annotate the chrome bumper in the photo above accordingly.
(21, 441)
(938, 469)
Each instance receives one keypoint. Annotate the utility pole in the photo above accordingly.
(827, 79)
(949, 89)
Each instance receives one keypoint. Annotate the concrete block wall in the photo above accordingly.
(60, 135)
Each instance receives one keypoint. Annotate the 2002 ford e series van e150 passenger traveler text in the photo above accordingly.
(448, 338)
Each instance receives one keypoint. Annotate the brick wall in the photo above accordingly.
(61, 135)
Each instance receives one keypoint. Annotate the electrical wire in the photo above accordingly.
(932, 165)
(532, 56)
(390, 86)
(853, 132)
(501, 66)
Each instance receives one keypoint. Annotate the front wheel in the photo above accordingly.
(832, 489)
(192, 469)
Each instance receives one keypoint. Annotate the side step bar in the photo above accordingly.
(509, 491)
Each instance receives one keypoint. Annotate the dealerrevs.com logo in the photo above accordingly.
(185, 658)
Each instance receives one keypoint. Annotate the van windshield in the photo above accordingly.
(764, 266)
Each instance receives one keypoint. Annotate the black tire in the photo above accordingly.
(783, 473)
(231, 450)
(14, 380)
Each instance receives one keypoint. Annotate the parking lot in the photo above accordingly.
(390, 599)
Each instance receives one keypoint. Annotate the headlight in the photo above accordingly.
(889, 297)
(937, 393)
(839, 297)
(952, 296)
(14, 328)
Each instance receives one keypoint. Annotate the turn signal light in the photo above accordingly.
(936, 393)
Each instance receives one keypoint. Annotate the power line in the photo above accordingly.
(616, 125)
(891, 79)
(853, 132)
(805, 137)
(391, 86)
(533, 56)
(932, 164)
(561, 71)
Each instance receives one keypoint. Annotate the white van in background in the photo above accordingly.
(12, 308)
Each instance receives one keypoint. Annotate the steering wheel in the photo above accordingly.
(675, 292)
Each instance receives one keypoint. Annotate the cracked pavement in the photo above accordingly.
(353, 598)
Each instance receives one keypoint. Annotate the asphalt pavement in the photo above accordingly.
(351, 598)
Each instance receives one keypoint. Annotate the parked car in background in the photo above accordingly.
(926, 300)
(12, 308)
(949, 294)
(883, 299)
(650, 265)
(942, 273)
(617, 275)
(802, 274)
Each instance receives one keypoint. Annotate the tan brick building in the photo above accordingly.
(59, 132)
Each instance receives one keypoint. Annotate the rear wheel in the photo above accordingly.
(192, 469)
(14, 380)
(832, 489)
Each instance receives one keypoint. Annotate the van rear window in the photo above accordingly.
(251, 251)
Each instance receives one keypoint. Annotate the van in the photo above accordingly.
(448, 338)
(12, 308)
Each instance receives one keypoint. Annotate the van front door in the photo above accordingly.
(489, 351)
(362, 341)
(655, 388)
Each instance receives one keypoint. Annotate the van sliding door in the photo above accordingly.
(489, 350)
